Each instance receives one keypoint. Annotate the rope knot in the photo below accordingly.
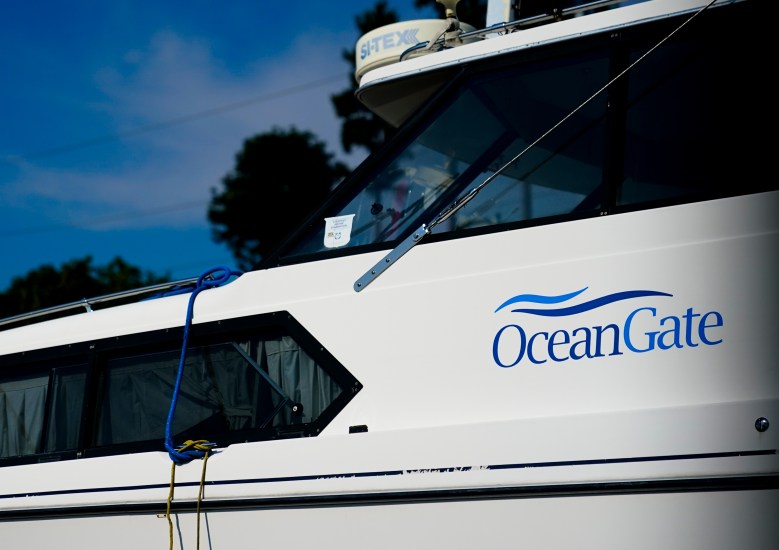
(190, 450)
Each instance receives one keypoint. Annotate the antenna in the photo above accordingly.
(450, 8)
(451, 31)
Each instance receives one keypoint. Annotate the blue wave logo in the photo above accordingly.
(573, 309)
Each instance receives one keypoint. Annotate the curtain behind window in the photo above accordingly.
(22, 403)
(221, 391)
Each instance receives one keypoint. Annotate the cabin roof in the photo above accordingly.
(395, 91)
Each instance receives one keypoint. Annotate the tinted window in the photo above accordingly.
(695, 107)
(233, 386)
(41, 408)
(245, 379)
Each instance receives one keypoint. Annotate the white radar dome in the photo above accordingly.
(384, 45)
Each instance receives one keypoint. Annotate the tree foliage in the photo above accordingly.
(359, 126)
(279, 178)
(48, 286)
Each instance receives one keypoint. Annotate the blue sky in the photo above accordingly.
(118, 118)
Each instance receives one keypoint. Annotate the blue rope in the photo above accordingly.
(192, 450)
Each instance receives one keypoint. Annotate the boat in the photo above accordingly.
(542, 315)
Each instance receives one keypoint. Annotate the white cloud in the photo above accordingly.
(171, 79)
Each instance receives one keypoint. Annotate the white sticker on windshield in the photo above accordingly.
(338, 230)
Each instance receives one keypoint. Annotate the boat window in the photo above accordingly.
(506, 114)
(248, 379)
(22, 406)
(485, 125)
(40, 411)
(694, 108)
(226, 387)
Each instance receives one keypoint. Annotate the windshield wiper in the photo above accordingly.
(417, 235)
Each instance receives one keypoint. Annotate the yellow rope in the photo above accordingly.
(200, 445)
(170, 498)
(200, 495)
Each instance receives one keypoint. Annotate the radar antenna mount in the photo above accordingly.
(451, 31)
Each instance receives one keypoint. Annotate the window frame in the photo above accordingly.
(95, 354)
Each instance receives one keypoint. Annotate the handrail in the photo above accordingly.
(511, 26)
(87, 303)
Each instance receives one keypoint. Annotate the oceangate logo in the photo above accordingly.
(649, 327)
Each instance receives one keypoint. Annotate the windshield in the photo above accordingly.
(486, 124)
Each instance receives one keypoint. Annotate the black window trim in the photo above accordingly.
(94, 353)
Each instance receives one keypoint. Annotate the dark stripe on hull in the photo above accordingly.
(744, 483)
(571, 489)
